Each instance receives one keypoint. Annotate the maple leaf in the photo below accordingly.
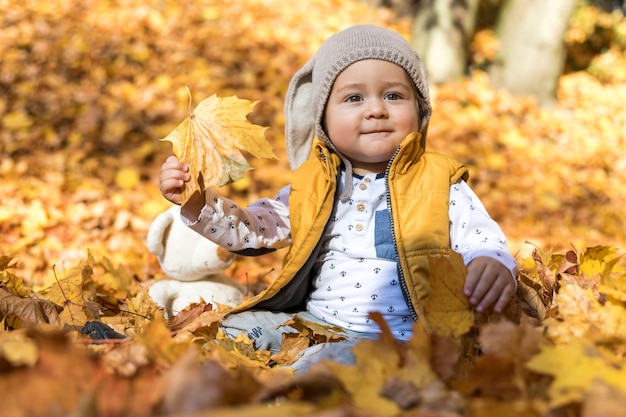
(75, 293)
(447, 310)
(29, 310)
(210, 140)
(576, 366)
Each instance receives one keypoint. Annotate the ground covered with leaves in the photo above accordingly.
(88, 88)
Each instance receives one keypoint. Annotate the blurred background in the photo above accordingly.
(528, 93)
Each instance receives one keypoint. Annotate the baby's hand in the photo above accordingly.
(488, 283)
(173, 176)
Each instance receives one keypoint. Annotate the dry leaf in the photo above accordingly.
(29, 310)
(193, 386)
(18, 352)
(210, 140)
(66, 182)
(13, 283)
(73, 292)
(447, 310)
(576, 367)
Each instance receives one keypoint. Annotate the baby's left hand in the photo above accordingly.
(488, 282)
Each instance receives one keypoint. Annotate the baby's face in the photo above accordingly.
(372, 107)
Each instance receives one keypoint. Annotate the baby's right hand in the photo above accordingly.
(173, 176)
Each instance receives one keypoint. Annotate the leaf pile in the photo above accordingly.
(564, 357)
(88, 87)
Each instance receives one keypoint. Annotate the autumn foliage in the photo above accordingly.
(87, 90)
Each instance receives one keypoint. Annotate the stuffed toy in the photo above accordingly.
(193, 264)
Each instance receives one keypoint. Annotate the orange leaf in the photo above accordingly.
(210, 140)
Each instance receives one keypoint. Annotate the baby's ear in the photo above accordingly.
(299, 116)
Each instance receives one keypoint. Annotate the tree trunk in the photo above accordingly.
(531, 52)
(441, 33)
(401, 8)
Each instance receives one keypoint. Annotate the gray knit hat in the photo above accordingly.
(310, 87)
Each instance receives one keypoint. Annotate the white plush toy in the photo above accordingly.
(193, 263)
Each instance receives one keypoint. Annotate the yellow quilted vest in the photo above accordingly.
(419, 187)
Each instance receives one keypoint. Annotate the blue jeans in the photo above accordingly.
(265, 330)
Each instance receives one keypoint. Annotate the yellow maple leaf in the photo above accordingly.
(446, 311)
(73, 292)
(575, 368)
(210, 140)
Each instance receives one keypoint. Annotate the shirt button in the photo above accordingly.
(363, 186)
(359, 227)
(360, 207)
(367, 179)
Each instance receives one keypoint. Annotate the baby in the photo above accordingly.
(366, 207)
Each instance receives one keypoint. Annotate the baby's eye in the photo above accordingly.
(392, 96)
(353, 98)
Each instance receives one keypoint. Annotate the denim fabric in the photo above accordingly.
(265, 330)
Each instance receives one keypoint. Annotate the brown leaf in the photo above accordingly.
(508, 340)
(403, 393)
(316, 386)
(444, 356)
(126, 359)
(63, 374)
(186, 317)
(29, 310)
(604, 400)
(316, 332)
(193, 386)
(500, 371)
(291, 348)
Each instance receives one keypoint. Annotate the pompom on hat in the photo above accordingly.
(310, 87)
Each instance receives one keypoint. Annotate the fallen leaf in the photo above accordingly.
(13, 283)
(291, 348)
(72, 293)
(575, 367)
(604, 400)
(582, 315)
(29, 310)
(193, 386)
(509, 340)
(18, 352)
(210, 140)
(380, 361)
(126, 359)
(447, 310)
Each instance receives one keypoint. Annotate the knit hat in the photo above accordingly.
(310, 87)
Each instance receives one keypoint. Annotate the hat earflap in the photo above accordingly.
(299, 116)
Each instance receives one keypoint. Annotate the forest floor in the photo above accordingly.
(89, 87)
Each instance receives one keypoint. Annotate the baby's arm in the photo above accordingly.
(490, 281)
(261, 227)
